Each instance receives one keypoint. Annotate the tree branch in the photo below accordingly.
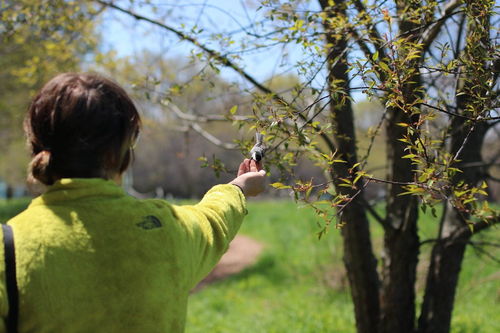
(212, 139)
(375, 215)
(224, 60)
(362, 45)
(483, 225)
(432, 31)
(480, 251)
(459, 115)
(374, 34)
(204, 118)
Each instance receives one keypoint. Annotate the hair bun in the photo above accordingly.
(40, 167)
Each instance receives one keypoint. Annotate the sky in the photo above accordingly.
(128, 36)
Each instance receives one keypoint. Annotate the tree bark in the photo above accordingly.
(359, 259)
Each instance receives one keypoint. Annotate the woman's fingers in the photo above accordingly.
(249, 165)
(244, 167)
(255, 166)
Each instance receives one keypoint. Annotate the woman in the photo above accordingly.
(89, 257)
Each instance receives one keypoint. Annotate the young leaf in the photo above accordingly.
(280, 186)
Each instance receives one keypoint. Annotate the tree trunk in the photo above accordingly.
(448, 252)
(466, 140)
(9, 192)
(361, 267)
(359, 259)
(401, 242)
(442, 279)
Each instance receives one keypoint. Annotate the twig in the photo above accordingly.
(480, 251)
(459, 115)
(376, 215)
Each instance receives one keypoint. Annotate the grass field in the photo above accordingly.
(299, 283)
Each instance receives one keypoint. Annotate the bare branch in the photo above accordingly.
(483, 225)
(459, 115)
(375, 215)
(493, 178)
(212, 139)
(364, 159)
(204, 118)
(460, 32)
(480, 251)
(481, 243)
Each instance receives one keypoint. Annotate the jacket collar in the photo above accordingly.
(77, 188)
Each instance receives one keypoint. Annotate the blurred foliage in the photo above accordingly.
(39, 39)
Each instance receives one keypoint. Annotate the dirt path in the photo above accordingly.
(243, 252)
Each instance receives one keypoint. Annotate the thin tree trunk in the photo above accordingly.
(359, 259)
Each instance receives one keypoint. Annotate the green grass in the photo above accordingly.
(299, 282)
(10, 208)
(298, 285)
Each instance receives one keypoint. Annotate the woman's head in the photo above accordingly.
(80, 126)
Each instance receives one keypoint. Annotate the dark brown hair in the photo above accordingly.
(80, 126)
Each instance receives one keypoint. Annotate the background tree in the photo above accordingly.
(39, 39)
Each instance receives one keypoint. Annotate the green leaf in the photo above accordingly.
(384, 66)
(233, 109)
(280, 186)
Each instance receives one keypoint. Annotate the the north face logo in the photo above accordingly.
(150, 222)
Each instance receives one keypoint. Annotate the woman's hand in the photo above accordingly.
(251, 178)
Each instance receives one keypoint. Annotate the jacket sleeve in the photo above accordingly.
(209, 227)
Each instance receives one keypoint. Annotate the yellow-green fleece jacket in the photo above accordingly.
(91, 258)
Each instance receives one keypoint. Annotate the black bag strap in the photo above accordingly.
(10, 278)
